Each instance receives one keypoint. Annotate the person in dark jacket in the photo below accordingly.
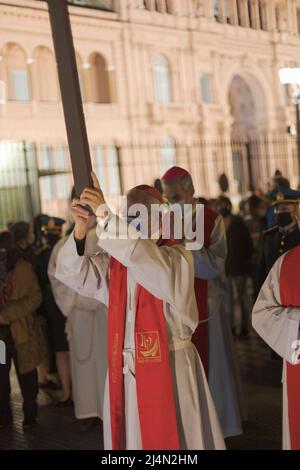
(285, 234)
(48, 231)
(238, 262)
(20, 296)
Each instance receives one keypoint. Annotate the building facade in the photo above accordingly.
(163, 82)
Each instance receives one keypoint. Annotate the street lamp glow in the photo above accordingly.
(290, 76)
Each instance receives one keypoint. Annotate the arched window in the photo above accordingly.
(206, 88)
(45, 75)
(162, 80)
(17, 73)
(167, 154)
(99, 80)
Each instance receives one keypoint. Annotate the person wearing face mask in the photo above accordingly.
(213, 337)
(86, 329)
(156, 393)
(276, 317)
(24, 237)
(48, 231)
(285, 234)
(256, 222)
(238, 262)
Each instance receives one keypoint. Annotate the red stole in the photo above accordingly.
(154, 384)
(200, 337)
(290, 297)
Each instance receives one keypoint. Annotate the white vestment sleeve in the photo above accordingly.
(277, 325)
(86, 275)
(166, 272)
(64, 298)
(209, 262)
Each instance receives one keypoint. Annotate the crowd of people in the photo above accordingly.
(136, 333)
(39, 318)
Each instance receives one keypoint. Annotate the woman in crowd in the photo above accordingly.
(20, 296)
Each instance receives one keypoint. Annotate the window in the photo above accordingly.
(14, 60)
(45, 71)
(62, 181)
(168, 154)
(20, 85)
(100, 88)
(48, 187)
(100, 167)
(162, 80)
(46, 158)
(206, 89)
(113, 170)
(61, 158)
(100, 4)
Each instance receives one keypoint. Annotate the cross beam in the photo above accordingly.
(70, 94)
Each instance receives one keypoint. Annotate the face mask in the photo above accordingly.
(283, 219)
(177, 204)
(225, 212)
(52, 238)
(134, 222)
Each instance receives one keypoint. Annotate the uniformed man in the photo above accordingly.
(285, 235)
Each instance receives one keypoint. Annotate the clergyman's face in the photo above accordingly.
(174, 192)
(136, 198)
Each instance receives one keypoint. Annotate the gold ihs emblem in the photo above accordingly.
(148, 347)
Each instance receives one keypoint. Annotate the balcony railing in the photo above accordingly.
(106, 5)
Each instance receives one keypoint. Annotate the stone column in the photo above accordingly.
(233, 12)
(161, 6)
(256, 14)
(150, 5)
(281, 19)
(222, 14)
(243, 13)
(208, 8)
(176, 7)
(140, 4)
(271, 16)
(291, 16)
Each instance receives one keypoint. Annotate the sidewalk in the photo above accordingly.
(58, 429)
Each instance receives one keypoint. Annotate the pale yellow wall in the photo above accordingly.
(129, 40)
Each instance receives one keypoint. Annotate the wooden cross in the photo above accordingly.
(70, 94)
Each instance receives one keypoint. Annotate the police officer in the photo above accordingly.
(285, 234)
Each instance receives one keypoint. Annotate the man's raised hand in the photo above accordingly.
(81, 217)
(92, 197)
